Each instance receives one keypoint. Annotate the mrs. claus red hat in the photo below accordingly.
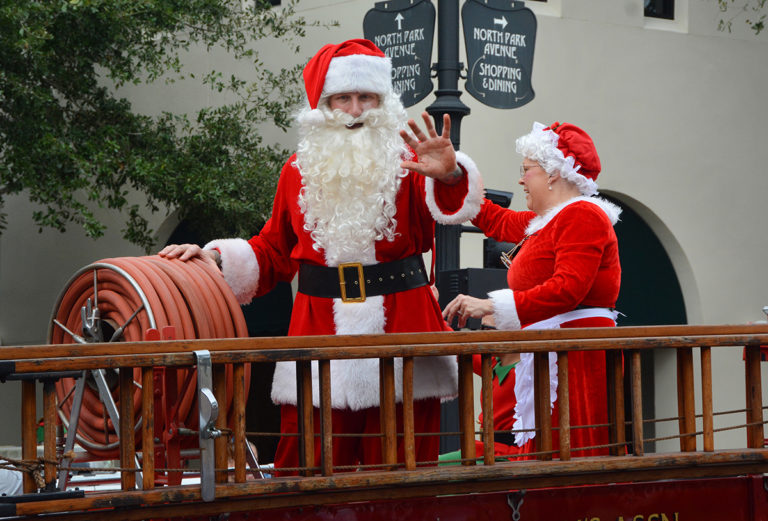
(574, 142)
(566, 149)
(351, 66)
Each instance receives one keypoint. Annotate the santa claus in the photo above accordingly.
(361, 194)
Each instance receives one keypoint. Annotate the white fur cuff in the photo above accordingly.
(239, 267)
(505, 309)
(472, 201)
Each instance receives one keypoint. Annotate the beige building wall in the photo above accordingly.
(677, 110)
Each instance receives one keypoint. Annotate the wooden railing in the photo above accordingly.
(237, 492)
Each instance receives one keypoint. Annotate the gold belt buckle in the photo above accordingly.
(343, 282)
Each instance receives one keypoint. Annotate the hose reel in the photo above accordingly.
(119, 299)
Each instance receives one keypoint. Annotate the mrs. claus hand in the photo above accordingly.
(465, 307)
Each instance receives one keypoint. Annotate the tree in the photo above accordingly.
(72, 145)
(751, 9)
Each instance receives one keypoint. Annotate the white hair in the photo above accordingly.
(541, 146)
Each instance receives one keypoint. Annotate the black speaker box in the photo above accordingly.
(476, 282)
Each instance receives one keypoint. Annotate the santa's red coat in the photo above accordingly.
(569, 259)
(253, 267)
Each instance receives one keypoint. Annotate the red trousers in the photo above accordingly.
(353, 450)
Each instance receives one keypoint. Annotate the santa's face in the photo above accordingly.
(354, 103)
(350, 166)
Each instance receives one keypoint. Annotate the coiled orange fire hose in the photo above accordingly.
(133, 294)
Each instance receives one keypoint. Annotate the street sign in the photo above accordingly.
(404, 31)
(499, 37)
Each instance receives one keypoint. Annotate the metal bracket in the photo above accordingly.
(90, 316)
(515, 501)
(208, 412)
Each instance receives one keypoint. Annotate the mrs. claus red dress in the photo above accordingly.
(568, 264)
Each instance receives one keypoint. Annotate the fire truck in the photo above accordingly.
(144, 390)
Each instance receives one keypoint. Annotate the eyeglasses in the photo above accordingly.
(525, 168)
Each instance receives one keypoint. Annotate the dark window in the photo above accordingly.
(660, 9)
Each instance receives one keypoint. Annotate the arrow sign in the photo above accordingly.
(409, 46)
(499, 37)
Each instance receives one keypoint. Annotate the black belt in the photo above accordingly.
(507, 438)
(353, 282)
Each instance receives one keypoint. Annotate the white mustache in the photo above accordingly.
(363, 119)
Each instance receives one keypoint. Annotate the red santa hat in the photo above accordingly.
(566, 149)
(351, 66)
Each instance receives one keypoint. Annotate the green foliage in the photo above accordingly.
(72, 145)
(751, 10)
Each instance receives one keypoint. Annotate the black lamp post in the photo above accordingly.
(448, 70)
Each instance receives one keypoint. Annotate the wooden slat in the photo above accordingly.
(124, 359)
(50, 418)
(616, 414)
(686, 404)
(409, 437)
(690, 335)
(636, 387)
(305, 416)
(563, 400)
(127, 439)
(486, 396)
(147, 427)
(170, 413)
(754, 396)
(543, 407)
(326, 424)
(28, 429)
(110, 355)
(238, 404)
(466, 410)
(220, 448)
(388, 418)
(611, 399)
(706, 400)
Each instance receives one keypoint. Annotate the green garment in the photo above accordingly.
(501, 372)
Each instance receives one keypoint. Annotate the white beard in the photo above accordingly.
(351, 178)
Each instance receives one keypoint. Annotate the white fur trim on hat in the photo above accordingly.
(358, 73)
(540, 221)
(504, 309)
(239, 267)
(541, 146)
(472, 202)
